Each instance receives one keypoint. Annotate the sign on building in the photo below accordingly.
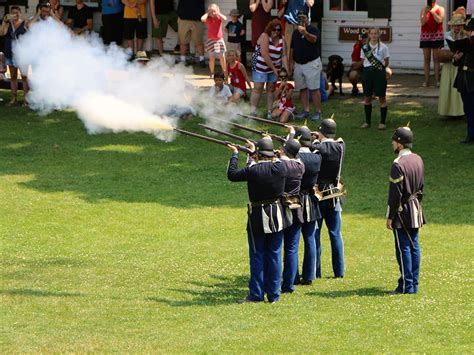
(353, 33)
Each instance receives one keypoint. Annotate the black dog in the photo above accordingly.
(335, 71)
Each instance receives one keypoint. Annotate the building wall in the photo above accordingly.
(404, 49)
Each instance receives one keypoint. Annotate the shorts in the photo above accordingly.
(237, 90)
(165, 20)
(374, 82)
(258, 77)
(132, 27)
(308, 75)
(432, 44)
(234, 46)
(282, 107)
(190, 30)
(215, 47)
(112, 28)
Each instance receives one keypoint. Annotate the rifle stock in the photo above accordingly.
(214, 140)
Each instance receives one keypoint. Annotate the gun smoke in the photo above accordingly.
(109, 93)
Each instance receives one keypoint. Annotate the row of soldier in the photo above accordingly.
(291, 193)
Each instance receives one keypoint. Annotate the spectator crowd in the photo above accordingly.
(285, 47)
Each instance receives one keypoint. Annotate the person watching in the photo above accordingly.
(79, 18)
(12, 28)
(306, 65)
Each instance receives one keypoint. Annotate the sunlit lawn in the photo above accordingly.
(121, 242)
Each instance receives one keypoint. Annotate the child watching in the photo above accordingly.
(3, 66)
(235, 32)
(215, 44)
(237, 75)
(219, 90)
(283, 90)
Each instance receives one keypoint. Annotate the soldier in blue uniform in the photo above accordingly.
(293, 212)
(404, 212)
(309, 202)
(265, 176)
(332, 152)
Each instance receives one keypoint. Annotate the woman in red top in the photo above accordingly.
(237, 75)
(260, 17)
(431, 38)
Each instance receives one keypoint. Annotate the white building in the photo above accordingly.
(399, 16)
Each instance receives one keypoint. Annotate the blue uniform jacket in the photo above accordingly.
(266, 185)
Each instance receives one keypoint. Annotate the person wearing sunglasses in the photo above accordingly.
(306, 65)
(267, 60)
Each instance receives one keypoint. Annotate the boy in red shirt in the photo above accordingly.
(283, 90)
(237, 76)
(215, 44)
(356, 67)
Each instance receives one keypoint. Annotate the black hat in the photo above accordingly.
(328, 127)
(470, 25)
(404, 136)
(303, 134)
(291, 147)
(265, 147)
(302, 12)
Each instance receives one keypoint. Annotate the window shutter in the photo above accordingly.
(379, 8)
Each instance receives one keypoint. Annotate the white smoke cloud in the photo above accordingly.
(109, 93)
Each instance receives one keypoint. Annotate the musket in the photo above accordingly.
(214, 140)
(263, 120)
(228, 134)
(256, 131)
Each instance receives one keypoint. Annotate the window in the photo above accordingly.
(348, 5)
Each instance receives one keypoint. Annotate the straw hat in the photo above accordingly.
(458, 17)
(141, 57)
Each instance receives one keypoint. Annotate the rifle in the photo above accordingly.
(228, 134)
(214, 140)
(256, 131)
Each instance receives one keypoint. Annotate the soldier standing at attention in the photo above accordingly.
(404, 213)
(265, 176)
(332, 152)
(293, 212)
(310, 208)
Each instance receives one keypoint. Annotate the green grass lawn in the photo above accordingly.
(120, 242)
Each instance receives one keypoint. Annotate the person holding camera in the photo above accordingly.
(12, 28)
(306, 65)
(431, 37)
(465, 80)
(292, 8)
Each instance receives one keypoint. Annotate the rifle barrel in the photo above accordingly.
(262, 133)
(213, 140)
(259, 119)
(228, 134)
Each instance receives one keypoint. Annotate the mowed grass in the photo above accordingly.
(121, 242)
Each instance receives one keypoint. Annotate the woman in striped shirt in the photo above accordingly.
(267, 60)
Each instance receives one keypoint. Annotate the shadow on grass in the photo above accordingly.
(360, 292)
(39, 293)
(226, 290)
(55, 154)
